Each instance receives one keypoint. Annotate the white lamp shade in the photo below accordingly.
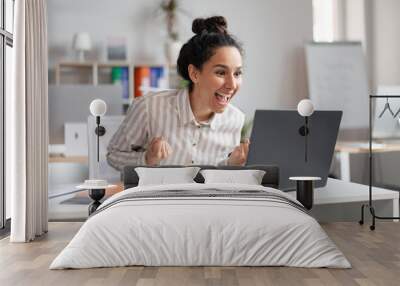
(82, 42)
(305, 107)
(98, 107)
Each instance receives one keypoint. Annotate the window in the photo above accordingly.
(9, 16)
(6, 44)
(327, 22)
(323, 20)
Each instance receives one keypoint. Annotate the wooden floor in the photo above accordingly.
(375, 257)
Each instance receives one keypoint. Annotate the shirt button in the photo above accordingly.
(194, 144)
(192, 162)
(199, 126)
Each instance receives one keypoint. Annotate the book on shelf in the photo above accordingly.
(141, 78)
(120, 75)
(149, 78)
(156, 73)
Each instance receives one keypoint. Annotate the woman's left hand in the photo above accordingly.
(238, 156)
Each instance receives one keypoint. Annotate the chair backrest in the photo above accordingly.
(101, 169)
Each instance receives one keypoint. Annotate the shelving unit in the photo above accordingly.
(93, 73)
(98, 73)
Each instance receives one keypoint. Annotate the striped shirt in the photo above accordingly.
(169, 114)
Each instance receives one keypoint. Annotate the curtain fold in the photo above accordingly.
(27, 123)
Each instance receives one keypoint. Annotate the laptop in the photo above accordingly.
(275, 140)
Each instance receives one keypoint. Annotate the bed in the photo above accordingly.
(201, 224)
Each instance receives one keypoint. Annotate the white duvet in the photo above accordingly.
(200, 231)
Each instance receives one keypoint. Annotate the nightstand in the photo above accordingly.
(305, 190)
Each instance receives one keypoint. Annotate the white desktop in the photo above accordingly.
(341, 201)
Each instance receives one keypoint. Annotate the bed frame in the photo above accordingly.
(270, 179)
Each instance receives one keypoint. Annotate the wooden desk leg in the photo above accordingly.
(344, 158)
(396, 209)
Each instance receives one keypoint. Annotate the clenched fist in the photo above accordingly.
(238, 156)
(158, 150)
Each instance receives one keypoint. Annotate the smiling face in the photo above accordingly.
(218, 80)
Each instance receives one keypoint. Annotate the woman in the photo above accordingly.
(196, 125)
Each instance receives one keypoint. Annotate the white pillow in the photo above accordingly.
(162, 176)
(249, 177)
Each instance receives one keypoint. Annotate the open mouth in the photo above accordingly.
(222, 99)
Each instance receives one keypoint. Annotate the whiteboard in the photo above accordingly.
(337, 80)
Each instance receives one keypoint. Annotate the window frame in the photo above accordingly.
(6, 39)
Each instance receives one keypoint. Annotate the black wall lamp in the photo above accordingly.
(305, 108)
(98, 108)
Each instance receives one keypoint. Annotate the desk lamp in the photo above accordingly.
(82, 43)
(305, 108)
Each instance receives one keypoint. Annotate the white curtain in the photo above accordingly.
(27, 123)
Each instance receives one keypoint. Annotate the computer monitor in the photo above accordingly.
(275, 140)
(70, 103)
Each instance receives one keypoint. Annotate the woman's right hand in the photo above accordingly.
(238, 156)
(158, 150)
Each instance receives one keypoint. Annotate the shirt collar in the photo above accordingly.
(186, 115)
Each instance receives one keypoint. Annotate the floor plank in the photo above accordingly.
(374, 255)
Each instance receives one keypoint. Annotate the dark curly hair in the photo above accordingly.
(211, 33)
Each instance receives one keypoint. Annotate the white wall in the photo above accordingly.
(273, 33)
(352, 23)
(386, 32)
(377, 25)
(355, 20)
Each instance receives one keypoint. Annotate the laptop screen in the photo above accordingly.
(276, 140)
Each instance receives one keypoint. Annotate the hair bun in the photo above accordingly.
(216, 24)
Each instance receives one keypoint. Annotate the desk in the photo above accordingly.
(345, 148)
(60, 190)
(69, 159)
(339, 191)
